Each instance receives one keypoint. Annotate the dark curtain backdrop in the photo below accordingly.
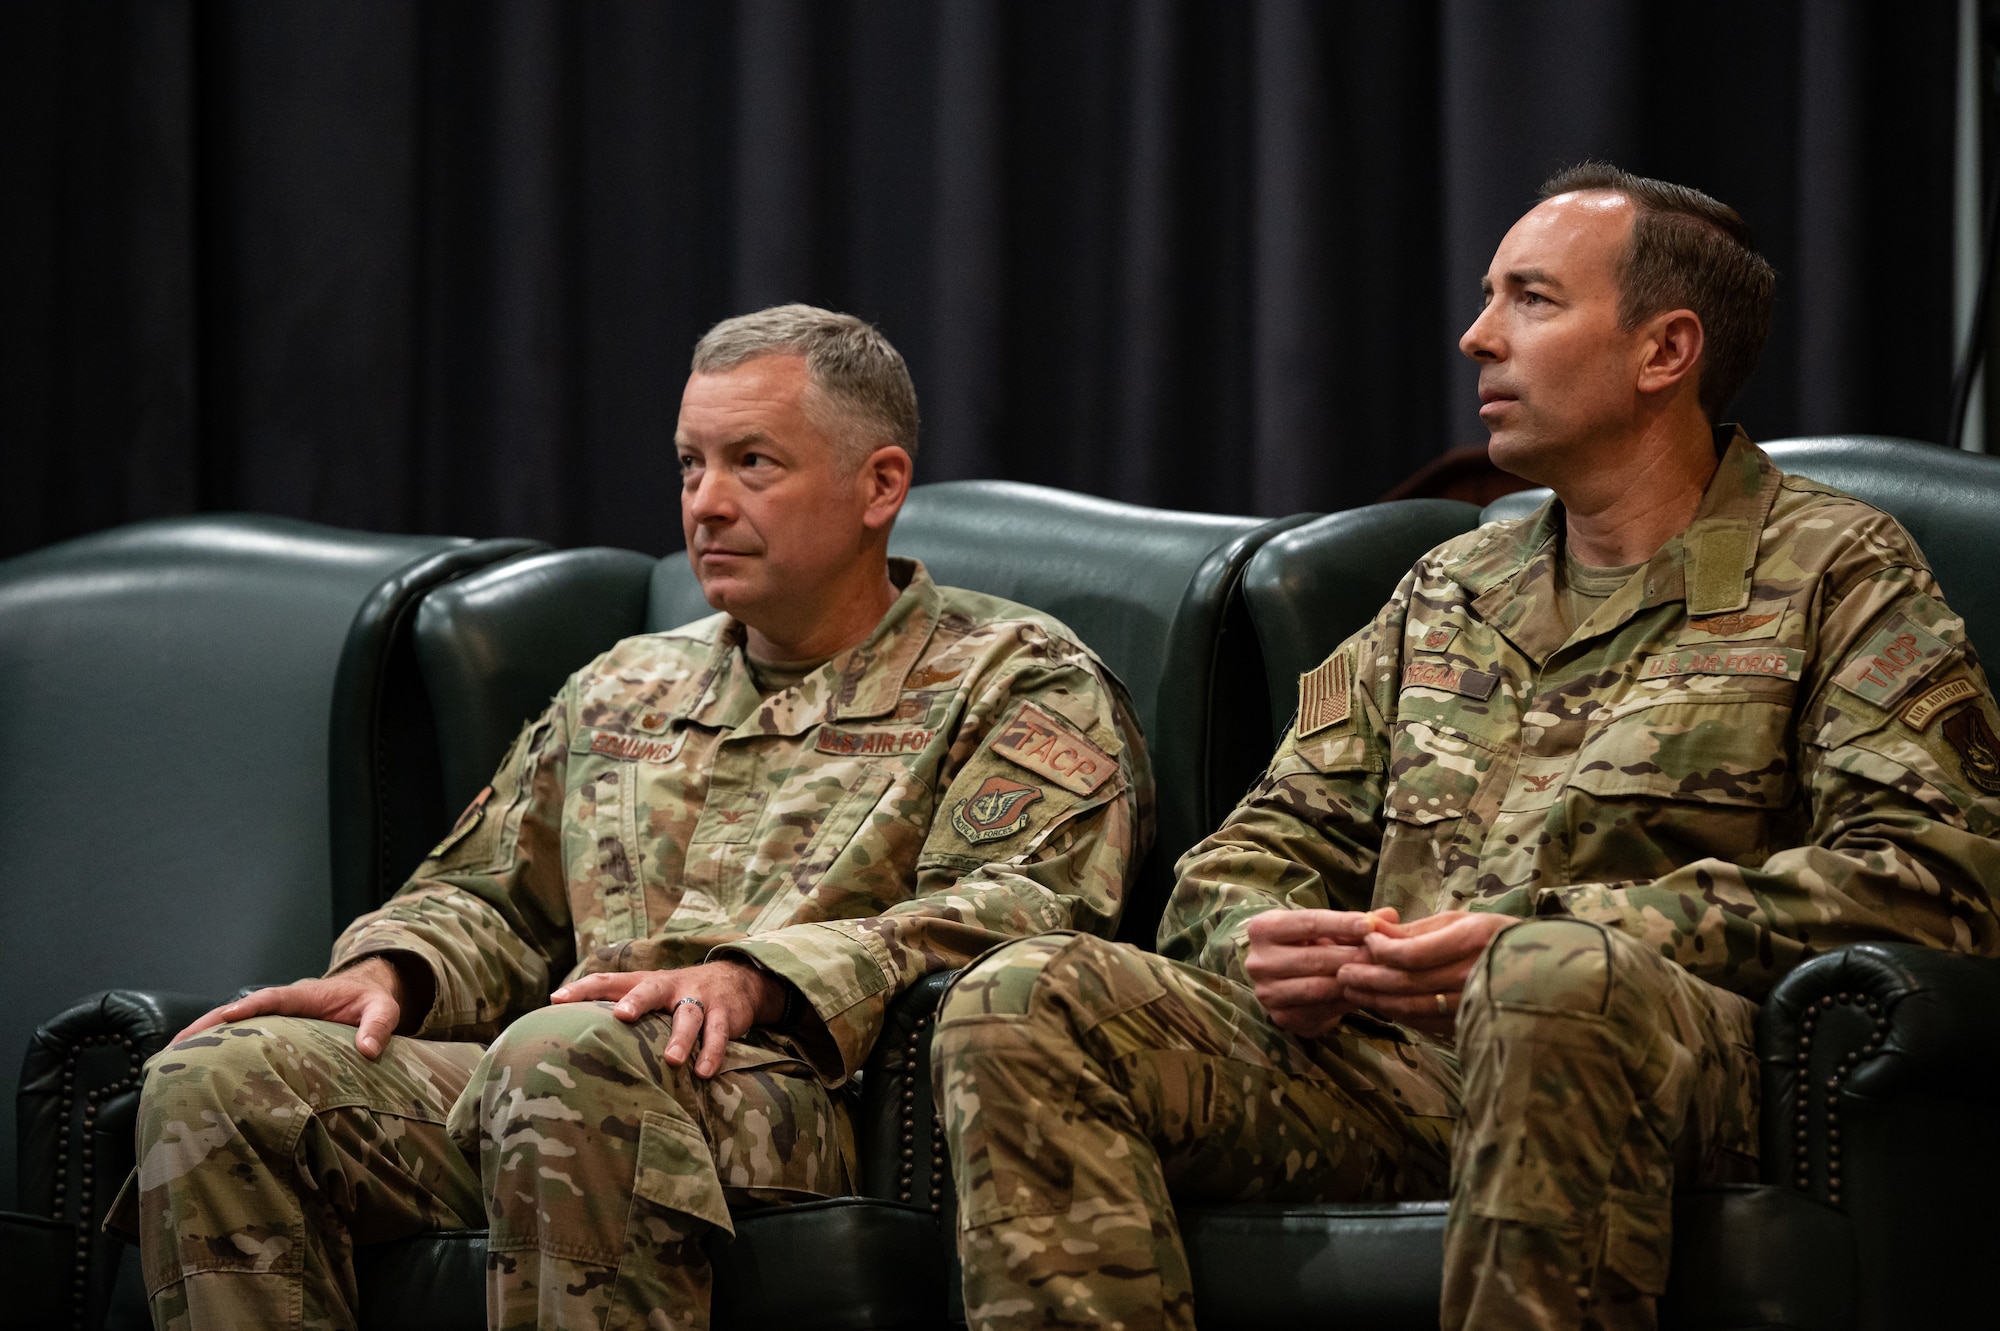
(439, 266)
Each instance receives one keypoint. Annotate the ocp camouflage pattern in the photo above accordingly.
(1722, 761)
(663, 812)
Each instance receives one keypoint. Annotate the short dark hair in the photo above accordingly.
(1688, 251)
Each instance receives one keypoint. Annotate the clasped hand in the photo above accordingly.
(1310, 968)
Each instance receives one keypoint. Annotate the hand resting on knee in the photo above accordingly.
(371, 995)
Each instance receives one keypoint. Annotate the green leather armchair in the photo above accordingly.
(428, 685)
(165, 696)
(1881, 1066)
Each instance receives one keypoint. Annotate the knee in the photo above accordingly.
(1004, 982)
(1556, 964)
(568, 1052)
(230, 1072)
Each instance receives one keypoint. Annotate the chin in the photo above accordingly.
(1527, 458)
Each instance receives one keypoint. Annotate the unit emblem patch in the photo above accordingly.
(1450, 677)
(1978, 750)
(1901, 653)
(999, 808)
(1919, 714)
(1047, 747)
(1325, 696)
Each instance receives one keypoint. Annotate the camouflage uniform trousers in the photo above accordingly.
(1088, 1086)
(270, 1149)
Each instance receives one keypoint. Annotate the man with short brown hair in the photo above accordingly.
(1495, 923)
(614, 1004)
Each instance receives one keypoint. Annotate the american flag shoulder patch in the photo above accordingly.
(1326, 695)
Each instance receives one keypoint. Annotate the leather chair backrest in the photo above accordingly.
(1948, 501)
(1149, 591)
(165, 691)
(1311, 587)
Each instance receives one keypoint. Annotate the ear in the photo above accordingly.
(1671, 346)
(885, 482)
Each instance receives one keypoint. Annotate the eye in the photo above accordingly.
(1533, 298)
(754, 459)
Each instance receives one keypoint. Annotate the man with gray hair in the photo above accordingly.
(612, 1005)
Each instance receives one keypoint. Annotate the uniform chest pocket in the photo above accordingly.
(1434, 772)
(1724, 751)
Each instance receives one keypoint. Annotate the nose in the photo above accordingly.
(1482, 341)
(707, 497)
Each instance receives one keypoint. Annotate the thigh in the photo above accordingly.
(771, 1128)
(242, 1125)
(1234, 1107)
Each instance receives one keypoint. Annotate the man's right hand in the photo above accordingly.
(1294, 962)
(367, 996)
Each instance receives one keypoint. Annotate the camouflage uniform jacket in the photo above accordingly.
(969, 774)
(1772, 740)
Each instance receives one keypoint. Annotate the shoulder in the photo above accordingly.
(975, 621)
(657, 666)
(1817, 529)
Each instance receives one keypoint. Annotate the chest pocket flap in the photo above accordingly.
(1716, 751)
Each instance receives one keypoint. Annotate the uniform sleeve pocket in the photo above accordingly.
(1638, 1239)
(1723, 751)
(677, 1171)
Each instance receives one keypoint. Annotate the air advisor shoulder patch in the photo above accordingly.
(1326, 695)
(998, 809)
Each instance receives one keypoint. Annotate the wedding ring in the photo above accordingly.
(1444, 1007)
(704, 1007)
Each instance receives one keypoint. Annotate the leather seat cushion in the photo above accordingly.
(1744, 1257)
(845, 1264)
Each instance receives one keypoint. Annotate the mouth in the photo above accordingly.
(1493, 402)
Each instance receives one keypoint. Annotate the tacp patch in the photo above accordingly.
(863, 743)
(1770, 662)
(1326, 696)
(1045, 746)
(1452, 678)
(998, 809)
(1901, 653)
(1919, 714)
(1978, 750)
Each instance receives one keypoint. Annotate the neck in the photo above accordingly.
(1623, 507)
(836, 618)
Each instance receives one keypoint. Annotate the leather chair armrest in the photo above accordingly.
(1881, 1097)
(1875, 1021)
(77, 1107)
(899, 1136)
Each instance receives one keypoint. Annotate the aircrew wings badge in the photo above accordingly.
(1326, 695)
(998, 809)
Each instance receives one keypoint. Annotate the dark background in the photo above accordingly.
(439, 266)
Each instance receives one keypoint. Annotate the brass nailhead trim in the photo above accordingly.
(86, 1163)
(1803, 1123)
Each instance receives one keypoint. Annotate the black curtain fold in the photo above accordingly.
(439, 266)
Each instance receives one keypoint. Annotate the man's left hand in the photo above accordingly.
(1411, 966)
(728, 999)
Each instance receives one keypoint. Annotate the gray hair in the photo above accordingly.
(858, 389)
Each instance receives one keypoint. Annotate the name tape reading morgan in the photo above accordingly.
(1045, 746)
(1451, 677)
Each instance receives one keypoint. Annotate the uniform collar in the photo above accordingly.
(862, 682)
(1513, 577)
